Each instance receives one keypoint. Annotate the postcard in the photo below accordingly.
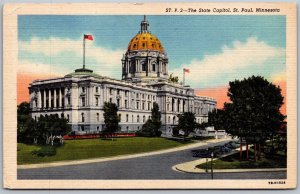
(150, 96)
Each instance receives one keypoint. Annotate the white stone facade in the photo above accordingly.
(80, 96)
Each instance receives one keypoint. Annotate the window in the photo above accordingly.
(144, 118)
(127, 118)
(97, 128)
(153, 97)
(120, 117)
(83, 89)
(110, 91)
(132, 118)
(149, 96)
(126, 104)
(118, 92)
(168, 107)
(68, 117)
(126, 93)
(144, 66)
(110, 100)
(149, 105)
(153, 67)
(137, 95)
(134, 46)
(138, 119)
(97, 101)
(118, 102)
(143, 96)
(169, 119)
(96, 89)
(137, 105)
(83, 101)
(97, 117)
(68, 100)
(144, 44)
(62, 115)
(143, 106)
(82, 117)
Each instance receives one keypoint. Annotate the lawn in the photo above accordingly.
(91, 148)
(232, 162)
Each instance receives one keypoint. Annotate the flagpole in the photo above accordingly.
(84, 51)
(183, 77)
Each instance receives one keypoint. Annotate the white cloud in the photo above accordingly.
(108, 62)
(26, 67)
(240, 60)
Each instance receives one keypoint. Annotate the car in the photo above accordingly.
(201, 153)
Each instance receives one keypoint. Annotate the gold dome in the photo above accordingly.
(145, 41)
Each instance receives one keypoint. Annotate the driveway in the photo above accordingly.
(147, 167)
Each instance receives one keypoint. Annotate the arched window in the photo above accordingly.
(169, 119)
(138, 119)
(127, 118)
(144, 119)
(174, 120)
(82, 117)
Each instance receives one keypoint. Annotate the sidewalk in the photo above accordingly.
(121, 157)
(190, 167)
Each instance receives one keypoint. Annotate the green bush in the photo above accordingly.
(45, 151)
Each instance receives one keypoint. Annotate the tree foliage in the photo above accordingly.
(39, 131)
(172, 78)
(152, 126)
(254, 110)
(111, 118)
(187, 123)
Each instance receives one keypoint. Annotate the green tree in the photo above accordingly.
(25, 123)
(152, 126)
(40, 130)
(217, 118)
(254, 110)
(111, 118)
(187, 123)
(156, 119)
(172, 78)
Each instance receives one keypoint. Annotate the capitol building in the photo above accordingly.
(80, 96)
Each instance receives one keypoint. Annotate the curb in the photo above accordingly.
(202, 171)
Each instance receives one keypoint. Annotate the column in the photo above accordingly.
(59, 97)
(44, 98)
(54, 100)
(39, 105)
(49, 98)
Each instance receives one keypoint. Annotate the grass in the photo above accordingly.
(232, 162)
(90, 148)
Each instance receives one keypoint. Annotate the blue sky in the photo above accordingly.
(196, 42)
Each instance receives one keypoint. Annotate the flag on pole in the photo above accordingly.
(88, 37)
(186, 70)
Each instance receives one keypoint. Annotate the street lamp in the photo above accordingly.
(206, 166)
(211, 165)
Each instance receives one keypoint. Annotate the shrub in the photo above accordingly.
(45, 151)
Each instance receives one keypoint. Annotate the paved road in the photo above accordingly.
(148, 167)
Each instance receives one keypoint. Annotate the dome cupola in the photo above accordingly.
(145, 58)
